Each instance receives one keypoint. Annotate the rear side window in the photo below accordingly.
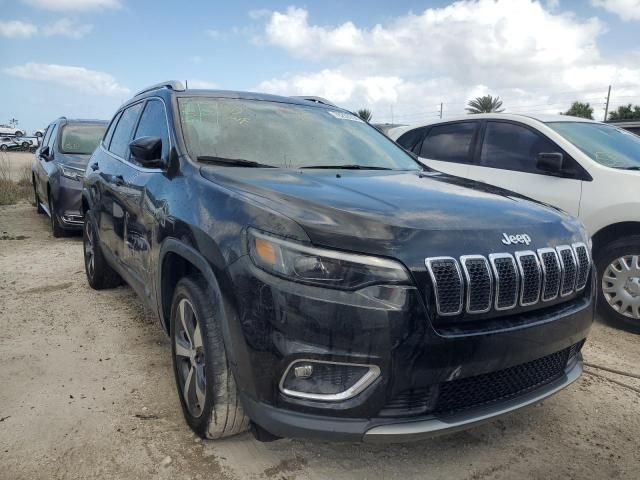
(411, 139)
(122, 134)
(153, 123)
(451, 142)
(513, 147)
(109, 133)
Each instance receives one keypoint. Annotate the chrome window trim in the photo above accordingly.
(492, 259)
(365, 381)
(575, 247)
(428, 262)
(541, 251)
(518, 256)
(463, 262)
(560, 249)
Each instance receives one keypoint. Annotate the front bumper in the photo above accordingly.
(281, 322)
(67, 203)
(285, 423)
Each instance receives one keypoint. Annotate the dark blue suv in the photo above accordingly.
(315, 280)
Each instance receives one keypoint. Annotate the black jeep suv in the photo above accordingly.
(315, 280)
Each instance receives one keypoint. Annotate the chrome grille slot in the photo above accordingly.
(551, 273)
(569, 269)
(530, 274)
(584, 264)
(507, 280)
(479, 283)
(447, 284)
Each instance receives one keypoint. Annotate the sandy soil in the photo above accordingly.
(16, 162)
(87, 391)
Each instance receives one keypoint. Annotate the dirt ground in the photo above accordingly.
(87, 391)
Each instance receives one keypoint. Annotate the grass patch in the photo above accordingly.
(11, 191)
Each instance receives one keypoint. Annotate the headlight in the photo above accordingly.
(320, 266)
(72, 172)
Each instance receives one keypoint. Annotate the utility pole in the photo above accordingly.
(441, 110)
(606, 107)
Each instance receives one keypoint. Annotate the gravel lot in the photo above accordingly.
(87, 391)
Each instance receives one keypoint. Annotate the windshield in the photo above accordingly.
(81, 139)
(608, 145)
(285, 135)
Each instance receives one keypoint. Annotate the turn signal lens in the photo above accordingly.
(266, 251)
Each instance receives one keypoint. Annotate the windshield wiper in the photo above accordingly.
(635, 167)
(234, 162)
(348, 167)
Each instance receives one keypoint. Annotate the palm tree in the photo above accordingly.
(486, 104)
(579, 109)
(365, 114)
(626, 112)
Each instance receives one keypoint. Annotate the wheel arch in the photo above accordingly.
(613, 232)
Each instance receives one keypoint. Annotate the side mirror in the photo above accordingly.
(550, 162)
(147, 151)
(45, 153)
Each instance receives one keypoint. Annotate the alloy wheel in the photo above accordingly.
(89, 246)
(190, 359)
(621, 285)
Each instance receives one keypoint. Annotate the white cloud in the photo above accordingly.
(74, 5)
(213, 33)
(79, 78)
(530, 55)
(66, 28)
(625, 9)
(17, 29)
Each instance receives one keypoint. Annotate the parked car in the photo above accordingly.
(58, 169)
(632, 126)
(8, 143)
(316, 281)
(9, 130)
(589, 169)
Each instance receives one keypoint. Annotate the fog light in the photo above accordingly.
(327, 381)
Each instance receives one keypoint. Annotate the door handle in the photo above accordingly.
(119, 180)
(94, 166)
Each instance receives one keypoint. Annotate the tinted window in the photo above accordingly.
(81, 139)
(153, 123)
(285, 135)
(112, 127)
(513, 147)
(411, 139)
(452, 142)
(122, 135)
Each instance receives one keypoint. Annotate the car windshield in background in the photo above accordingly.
(607, 145)
(81, 139)
(261, 133)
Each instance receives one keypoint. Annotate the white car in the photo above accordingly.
(587, 168)
(9, 130)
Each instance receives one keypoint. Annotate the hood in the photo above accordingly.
(73, 159)
(393, 212)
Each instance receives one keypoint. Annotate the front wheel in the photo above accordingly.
(4, 147)
(205, 382)
(99, 273)
(56, 228)
(618, 266)
(36, 199)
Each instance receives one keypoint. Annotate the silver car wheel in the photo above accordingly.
(89, 255)
(621, 285)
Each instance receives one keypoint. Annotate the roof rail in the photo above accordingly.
(175, 85)
(311, 98)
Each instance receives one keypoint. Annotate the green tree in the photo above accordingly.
(486, 104)
(579, 109)
(365, 114)
(626, 112)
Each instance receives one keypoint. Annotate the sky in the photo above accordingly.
(400, 59)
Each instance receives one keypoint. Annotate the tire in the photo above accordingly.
(38, 135)
(19, 133)
(4, 147)
(624, 292)
(220, 414)
(36, 199)
(56, 229)
(100, 275)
